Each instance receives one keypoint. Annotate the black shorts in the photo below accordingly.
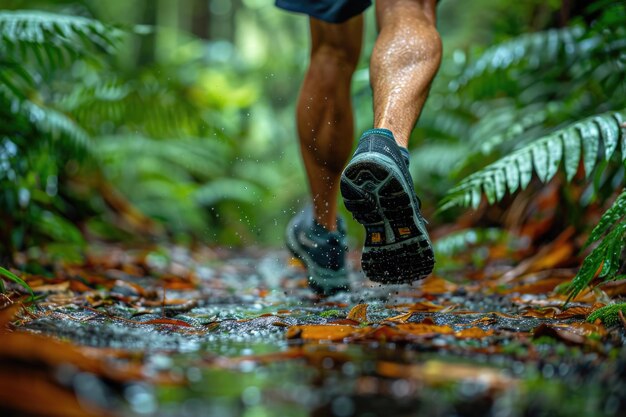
(331, 11)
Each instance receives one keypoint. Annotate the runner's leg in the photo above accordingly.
(404, 61)
(324, 113)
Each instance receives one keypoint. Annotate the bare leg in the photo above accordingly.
(405, 59)
(324, 114)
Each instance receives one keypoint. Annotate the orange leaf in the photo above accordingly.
(473, 333)
(330, 332)
(358, 313)
(402, 318)
(435, 285)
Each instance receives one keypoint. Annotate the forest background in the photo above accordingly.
(173, 121)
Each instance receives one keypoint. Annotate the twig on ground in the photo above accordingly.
(621, 317)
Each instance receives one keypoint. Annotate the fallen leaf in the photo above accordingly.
(61, 287)
(578, 311)
(330, 332)
(358, 313)
(565, 336)
(473, 333)
(437, 373)
(169, 322)
(544, 313)
(402, 318)
(436, 285)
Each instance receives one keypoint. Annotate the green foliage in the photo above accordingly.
(456, 242)
(6, 274)
(608, 314)
(51, 40)
(37, 139)
(607, 256)
(543, 157)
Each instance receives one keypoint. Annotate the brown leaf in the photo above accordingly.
(578, 311)
(358, 313)
(544, 313)
(558, 334)
(169, 322)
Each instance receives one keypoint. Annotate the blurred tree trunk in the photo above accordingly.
(200, 24)
(147, 45)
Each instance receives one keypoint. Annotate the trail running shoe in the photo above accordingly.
(323, 252)
(378, 190)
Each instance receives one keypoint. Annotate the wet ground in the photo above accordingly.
(231, 333)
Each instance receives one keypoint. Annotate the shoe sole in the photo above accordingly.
(379, 198)
(333, 284)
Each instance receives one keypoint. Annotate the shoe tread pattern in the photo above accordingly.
(377, 200)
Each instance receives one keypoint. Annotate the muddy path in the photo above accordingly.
(215, 332)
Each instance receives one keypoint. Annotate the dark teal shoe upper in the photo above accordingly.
(322, 251)
(382, 141)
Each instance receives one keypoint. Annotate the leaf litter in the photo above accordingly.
(224, 332)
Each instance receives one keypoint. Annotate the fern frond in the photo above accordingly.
(543, 157)
(609, 218)
(458, 241)
(605, 258)
(224, 189)
(159, 111)
(436, 158)
(535, 50)
(52, 39)
(59, 127)
(203, 158)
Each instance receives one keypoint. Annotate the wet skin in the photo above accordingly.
(404, 61)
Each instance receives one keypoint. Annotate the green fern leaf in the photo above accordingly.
(490, 189)
(571, 144)
(555, 154)
(529, 49)
(589, 135)
(608, 219)
(499, 178)
(545, 154)
(524, 161)
(603, 257)
(53, 39)
(610, 133)
(512, 176)
(540, 160)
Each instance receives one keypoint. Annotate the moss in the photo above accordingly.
(608, 314)
(331, 314)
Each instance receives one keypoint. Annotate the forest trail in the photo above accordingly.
(170, 331)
